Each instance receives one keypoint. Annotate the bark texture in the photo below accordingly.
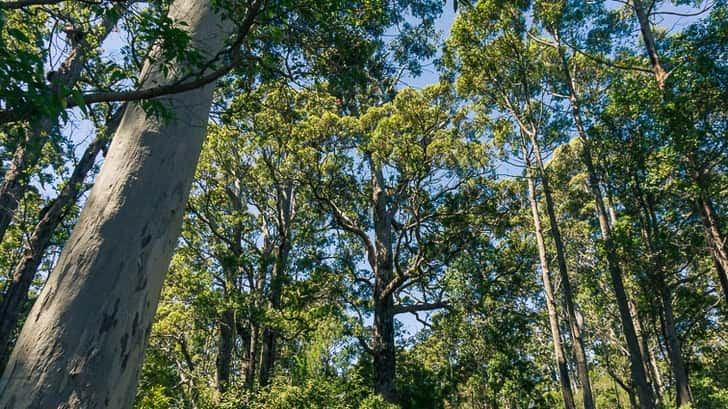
(643, 18)
(383, 347)
(83, 342)
(225, 347)
(716, 242)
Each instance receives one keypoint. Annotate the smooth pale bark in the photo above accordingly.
(83, 342)
(637, 372)
(548, 287)
(639, 378)
(16, 295)
(582, 367)
(645, 350)
(682, 386)
(683, 395)
(26, 156)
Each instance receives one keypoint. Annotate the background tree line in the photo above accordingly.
(226, 204)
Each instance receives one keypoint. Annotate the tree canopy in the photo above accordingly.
(227, 204)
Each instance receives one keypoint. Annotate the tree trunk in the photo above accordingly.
(582, 367)
(252, 368)
(16, 295)
(716, 241)
(13, 185)
(548, 288)
(225, 347)
(383, 348)
(84, 340)
(245, 339)
(683, 396)
(642, 335)
(639, 380)
(28, 152)
(648, 38)
(270, 335)
(285, 202)
(653, 239)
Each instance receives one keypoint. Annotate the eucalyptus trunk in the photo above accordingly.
(637, 372)
(582, 366)
(561, 363)
(652, 237)
(83, 342)
(225, 347)
(717, 241)
(383, 348)
(270, 334)
(648, 39)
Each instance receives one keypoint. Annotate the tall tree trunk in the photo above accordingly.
(547, 286)
(582, 366)
(652, 237)
(716, 241)
(643, 338)
(245, 339)
(270, 335)
(639, 379)
(28, 152)
(683, 396)
(253, 354)
(285, 202)
(16, 294)
(383, 348)
(13, 185)
(648, 37)
(225, 346)
(84, 340)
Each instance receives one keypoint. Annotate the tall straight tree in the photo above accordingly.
(683, 123)
(637, 369)
(84, 340)
(500, 68)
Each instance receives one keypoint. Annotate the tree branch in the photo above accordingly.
(182, 85)
(413, 308)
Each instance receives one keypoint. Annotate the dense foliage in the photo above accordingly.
(545, 225)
